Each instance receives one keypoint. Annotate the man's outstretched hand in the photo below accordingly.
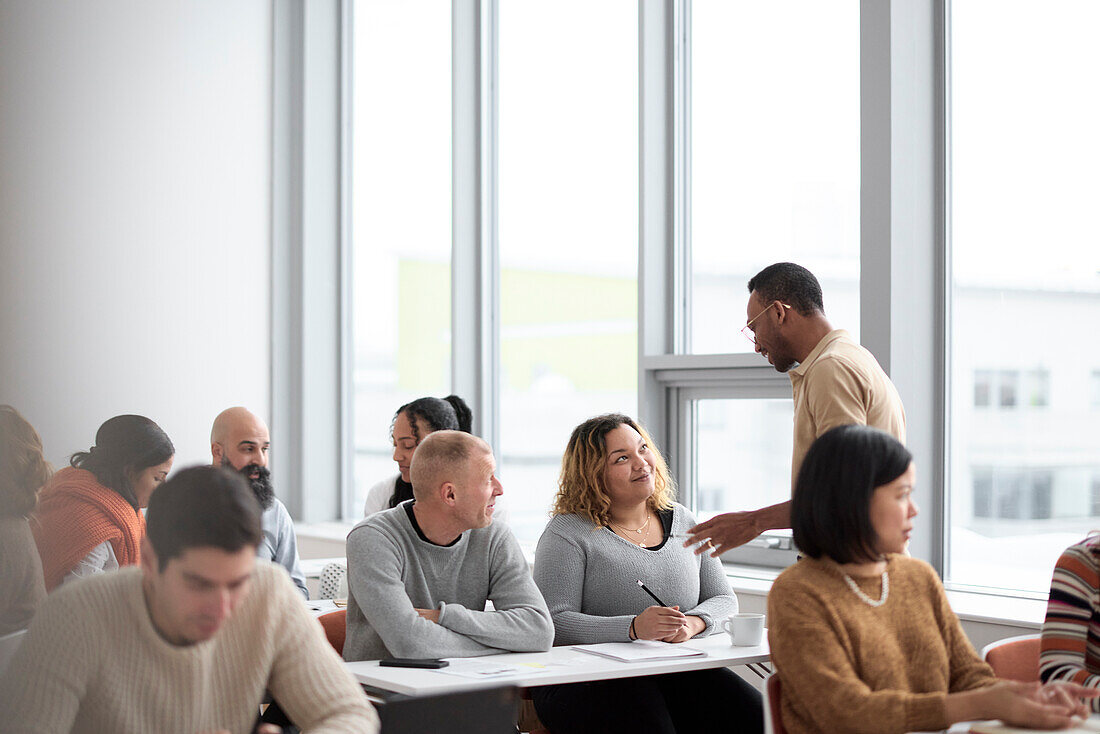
(725, 532)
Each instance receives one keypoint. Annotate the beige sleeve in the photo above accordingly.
(309, 679)
(835, 395)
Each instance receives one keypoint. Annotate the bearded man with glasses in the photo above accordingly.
(836, 382)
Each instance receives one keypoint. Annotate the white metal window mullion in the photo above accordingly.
(681, 185)
(659, 295)
(346, 384)
(903, 230)
(474, 253)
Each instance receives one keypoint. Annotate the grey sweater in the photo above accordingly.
(589, 577)
(392, 572)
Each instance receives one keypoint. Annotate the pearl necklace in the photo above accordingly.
(866, 599)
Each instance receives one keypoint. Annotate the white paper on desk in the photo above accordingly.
(631, 652)
(485, 669)
(322, 605)
(995, 727)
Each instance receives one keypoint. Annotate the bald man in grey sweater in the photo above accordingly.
(419, 574)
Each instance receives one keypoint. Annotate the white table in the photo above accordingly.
(963, 727)
(559, 665)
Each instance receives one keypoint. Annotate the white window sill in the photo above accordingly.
(751, 579)
(1015, 611)
(334, 530)
(970, 606)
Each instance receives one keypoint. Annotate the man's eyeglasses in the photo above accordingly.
(747, 331)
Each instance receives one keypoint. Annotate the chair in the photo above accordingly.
(334, 582)
(773, 718)
(528, 717)
(9, 643)
(335, 625)
(1014, 658)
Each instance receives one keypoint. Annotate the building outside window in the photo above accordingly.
(1014, 388)
(1025, 274)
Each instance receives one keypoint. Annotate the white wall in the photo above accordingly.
(135, 214)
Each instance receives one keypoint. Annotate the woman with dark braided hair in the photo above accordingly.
(88, 519)
(411, 423)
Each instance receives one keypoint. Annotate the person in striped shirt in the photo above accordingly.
(1071, 631)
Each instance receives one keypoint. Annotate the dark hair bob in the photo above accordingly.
(830, 509)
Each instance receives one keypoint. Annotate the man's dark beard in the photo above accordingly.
(261, 485)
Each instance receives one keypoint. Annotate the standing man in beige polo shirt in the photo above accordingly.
(836, 382)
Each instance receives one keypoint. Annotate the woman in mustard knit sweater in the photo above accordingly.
(861, 634)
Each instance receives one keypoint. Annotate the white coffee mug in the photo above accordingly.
(745, 630)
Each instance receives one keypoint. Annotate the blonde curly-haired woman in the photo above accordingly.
(613, 525)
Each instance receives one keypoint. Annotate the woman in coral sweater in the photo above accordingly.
(88, 519)
(861, 634)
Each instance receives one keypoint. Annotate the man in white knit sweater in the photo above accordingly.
(186, 643)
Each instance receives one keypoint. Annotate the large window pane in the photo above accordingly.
(401, 220)
(741, 460)
(1025, 425)
(568, 224)
(775, 156)
(742, 454)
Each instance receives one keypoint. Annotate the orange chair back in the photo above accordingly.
(775, 717)
(336, 628)
(1016, 658)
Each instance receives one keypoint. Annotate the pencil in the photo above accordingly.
(655, 598)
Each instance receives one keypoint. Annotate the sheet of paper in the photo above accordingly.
(484, 669)
(320, 607)
(640, 650)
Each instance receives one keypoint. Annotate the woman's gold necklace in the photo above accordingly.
(639, 531)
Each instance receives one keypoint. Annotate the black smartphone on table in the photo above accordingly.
(413, 663)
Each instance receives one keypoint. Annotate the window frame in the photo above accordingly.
(684, 389)
(902, 268)
(903, 214)
(475, 252)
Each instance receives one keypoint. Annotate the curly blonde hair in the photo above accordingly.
(581, 489)
(23, 469)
